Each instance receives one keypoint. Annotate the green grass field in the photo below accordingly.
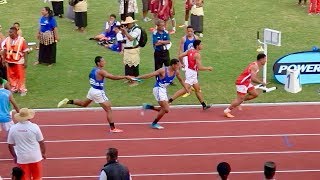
(229, 45)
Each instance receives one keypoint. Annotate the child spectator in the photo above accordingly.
(109, 33)
(196, 17)
(117, 44)
(17, 173)
(269, 170)
(224, 170)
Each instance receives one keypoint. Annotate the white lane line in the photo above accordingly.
(176, 138)
(188, 122)
(186, 174)
(182, 155)
(178, 106)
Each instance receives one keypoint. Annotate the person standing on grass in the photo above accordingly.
(81, 15)
(96, 92)
(194, 65)
(48, 38)
(188, 5)
(164, 77)
(6, 98)
(314, 7)
(113, 170)
(145, 9)
(304, 3)
(245, 89)
(26, 145)
(14, 50)
(161, 39)
(127, 8)
(196, 18)
(57, 7)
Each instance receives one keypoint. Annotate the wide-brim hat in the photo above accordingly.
(24, 114)
(128, 20)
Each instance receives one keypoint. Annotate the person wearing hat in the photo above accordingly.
(269, 170)
(6, 98)
(26, 144)
(224, 170)
(131, 50)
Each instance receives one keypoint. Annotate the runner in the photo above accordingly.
(164, 76)
(246, 90)
(194, 65)
(96, 92)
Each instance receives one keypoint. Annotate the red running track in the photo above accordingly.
(190, 147)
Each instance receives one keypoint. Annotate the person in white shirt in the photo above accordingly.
(26, 145)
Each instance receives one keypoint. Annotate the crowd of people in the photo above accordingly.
(127, 38)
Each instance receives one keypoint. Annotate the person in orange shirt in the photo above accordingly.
(14, 50)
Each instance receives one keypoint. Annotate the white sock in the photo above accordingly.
(174, 28)
(227, 110)
(186, 23)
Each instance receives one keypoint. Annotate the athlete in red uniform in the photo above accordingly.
(194, 65)
(245, 90)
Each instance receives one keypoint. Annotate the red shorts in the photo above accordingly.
(33, 170)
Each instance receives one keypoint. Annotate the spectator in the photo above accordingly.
(70, 13)
(145, 9)
(6, 98)
(196, 17)
(161, 39)
(109, 32)
(80, 10)
(17, 173)
(224, 170)
(3, 68)
(117, 44)
(26, 144)
(17, 26)
(15, 52)
(314, 7)
(48, 37)
(166, 12)
(131, 50)
(113, 169)
(304, 3)
(57, 7)
(127, 8)
(269, 170)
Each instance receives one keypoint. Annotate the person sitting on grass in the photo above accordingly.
(109, 32)
(117, 44)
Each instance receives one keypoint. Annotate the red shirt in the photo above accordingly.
(245, 77)
(192, 63)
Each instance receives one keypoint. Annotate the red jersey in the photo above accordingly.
(192, 63)
(245, 77)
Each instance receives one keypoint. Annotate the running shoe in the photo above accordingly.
(228, 115)
(206, 107)
(156, 126)
(146, 106)
(63, 102)
(116, 130)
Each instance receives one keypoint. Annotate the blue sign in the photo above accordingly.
(307, 61)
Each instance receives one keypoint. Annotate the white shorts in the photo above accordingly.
(6, 126)
(160, 94)
(96, 95)
(191, 77)
(243, 89)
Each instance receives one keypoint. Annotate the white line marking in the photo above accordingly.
(187, 122)
(176, 106)
(186, 174)
(177, 138)
(182, 155)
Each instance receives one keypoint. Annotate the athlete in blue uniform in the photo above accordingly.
(96, 92)
(164, 77)
(6, 98)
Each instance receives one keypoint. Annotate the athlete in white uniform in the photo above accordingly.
(96, 92)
